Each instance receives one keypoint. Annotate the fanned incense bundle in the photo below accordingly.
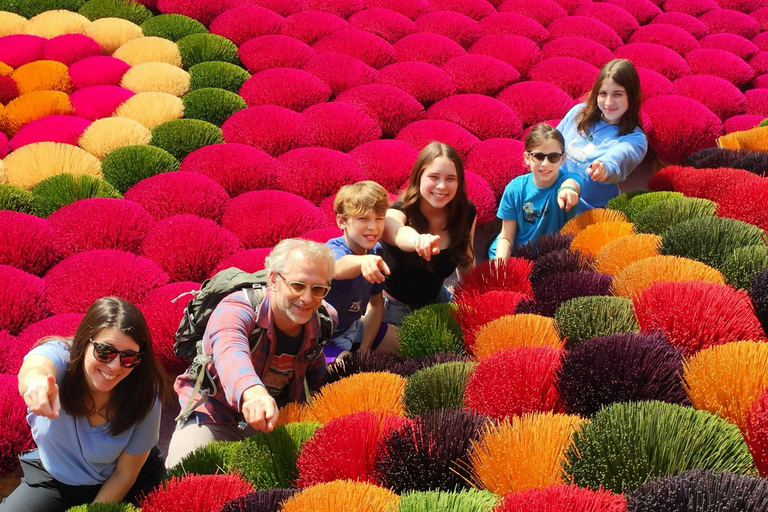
(620, 368)
(269, 500)
(180, 137)
(562, 498)
(710, 239)
(639, 275)
(112, 33)
(726, 379)
(743, 263)
(149, 49)
(594, 237)
(106, 135)
(510, 274)
(359, 361)
(661, 216)
(157, 77)
(126, 166)
(640, 203)
(172, 26)
(535, 442)
(594, 216)
(697, 315)
(756, 432)
(377, 392)
(342, 495)
(756, 139)
(103, 507)
(473, 311)
(29, 165)
(63, 189)
(345, 448)
(429, 452)
(436, 387)
(625, 445)
(54, 23)
(195, 493)
(563, 260)
(34, 105)
(583, 318)
(42, 75)
(698, 490)
(293, 412)
(515, 381)
(268, 459)
(430, 330)
(558, 288)
(211, 459)
(511, 331)
(466, 500)
(617, 255)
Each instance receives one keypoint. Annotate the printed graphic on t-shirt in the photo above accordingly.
(354, 307)
(280, 374)
(579, 152)
(530, 214)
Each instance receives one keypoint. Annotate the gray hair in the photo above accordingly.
(275, 262)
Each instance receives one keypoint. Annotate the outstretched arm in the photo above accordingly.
(122, 478)
(620, 160)
(370, 266)
(37, 385)
(506, 239)
(408, 239)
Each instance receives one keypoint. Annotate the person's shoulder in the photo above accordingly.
(397, 205)
(339, 247)
(574, 110)
(53, 346)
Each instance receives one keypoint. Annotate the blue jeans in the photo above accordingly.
(394, 310)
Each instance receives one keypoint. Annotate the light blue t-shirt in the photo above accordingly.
(620, 155)
(535, 209)
(74, 452)
(350, 296)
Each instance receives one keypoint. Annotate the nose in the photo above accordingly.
(608, 100)
(306, 295)
(115, 363)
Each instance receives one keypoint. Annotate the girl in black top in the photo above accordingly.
(428, 233)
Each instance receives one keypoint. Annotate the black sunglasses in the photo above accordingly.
(539, 157)
(319, 291)
(106, 353)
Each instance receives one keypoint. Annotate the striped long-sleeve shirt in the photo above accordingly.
(235, 369)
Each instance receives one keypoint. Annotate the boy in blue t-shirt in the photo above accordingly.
(360, 271)
(541, 201)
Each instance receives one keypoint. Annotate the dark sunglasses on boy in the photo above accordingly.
(106, 353)
(319, 291)
(539, 157)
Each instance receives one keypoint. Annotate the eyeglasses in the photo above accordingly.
(106, 353)
(539, 157)
(319, 291)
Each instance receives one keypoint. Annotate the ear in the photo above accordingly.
(340, 221)
(273, 279)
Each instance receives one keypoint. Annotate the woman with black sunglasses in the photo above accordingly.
(94, 411)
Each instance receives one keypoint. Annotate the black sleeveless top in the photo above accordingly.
(413, 280)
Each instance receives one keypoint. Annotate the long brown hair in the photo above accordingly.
(132, 398)
(623, 73)
(459, 226)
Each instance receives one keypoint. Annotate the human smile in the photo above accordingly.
(107, 376)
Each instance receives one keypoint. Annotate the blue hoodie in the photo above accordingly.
(620, 155)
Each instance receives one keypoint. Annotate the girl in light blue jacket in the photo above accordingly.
(604, 141)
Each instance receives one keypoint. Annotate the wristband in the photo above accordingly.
(567, 187)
